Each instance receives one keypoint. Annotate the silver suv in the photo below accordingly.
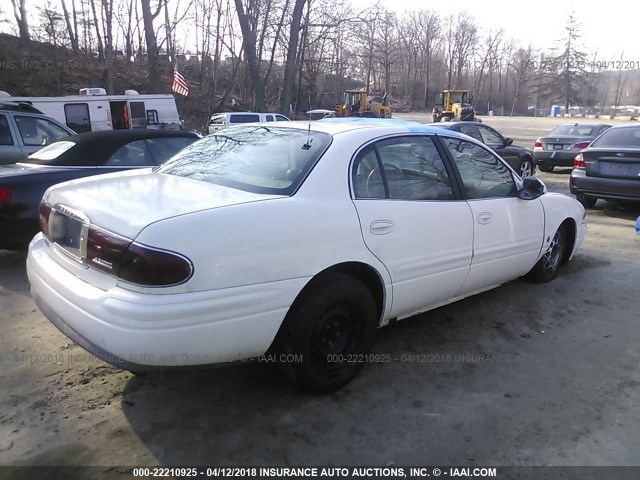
(24, 129)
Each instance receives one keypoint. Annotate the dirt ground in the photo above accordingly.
(521, 375)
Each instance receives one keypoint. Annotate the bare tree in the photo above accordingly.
(249, 48)
(292, 50)
(20, 12)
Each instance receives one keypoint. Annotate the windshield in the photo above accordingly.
(50, 152)
(574, 130)
(627, 137)
(254, 159)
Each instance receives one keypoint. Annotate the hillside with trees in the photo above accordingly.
(297, 54)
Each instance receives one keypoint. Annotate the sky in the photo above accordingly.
(541, 22)
(609, 27)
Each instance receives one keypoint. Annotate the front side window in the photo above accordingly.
(483, 174)
(281, 118)
(38, 131)
(408, 168)
(255, 159)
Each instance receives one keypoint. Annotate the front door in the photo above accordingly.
(412, 222)
(507, 232)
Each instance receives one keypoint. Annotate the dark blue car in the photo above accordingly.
(23, 184)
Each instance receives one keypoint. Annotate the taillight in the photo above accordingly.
(135, 263)
(538, 144)
(44, 210)
(148, 266)
(582, 145)
(578, 162)
(5, 194)
(105, 250)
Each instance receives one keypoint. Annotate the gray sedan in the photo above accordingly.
(563, 143)
(609, 168)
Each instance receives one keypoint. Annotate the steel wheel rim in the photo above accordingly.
(525, 169)
(551, 259)
(334, 340)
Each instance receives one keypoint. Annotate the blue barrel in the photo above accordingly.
(555, 110)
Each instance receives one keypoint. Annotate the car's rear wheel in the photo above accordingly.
(545, 168)
(547, 267)
(587, 202)
(328, 333)
(527, 168)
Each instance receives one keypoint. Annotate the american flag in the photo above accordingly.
(179, 83)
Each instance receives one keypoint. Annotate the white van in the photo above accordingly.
(222, 120)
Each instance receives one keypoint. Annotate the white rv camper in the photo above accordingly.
(94, 110)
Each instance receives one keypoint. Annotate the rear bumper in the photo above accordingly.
(606, 188)
(149, 331)
(555, 158)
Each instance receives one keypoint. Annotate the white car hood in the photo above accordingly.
(125, 203)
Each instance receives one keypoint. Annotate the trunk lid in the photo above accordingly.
(562, 142)
(621, 163)
(125, 203)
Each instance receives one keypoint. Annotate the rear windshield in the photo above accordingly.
(50, 152)
(575, 130)
(254, 159)
(627, 137)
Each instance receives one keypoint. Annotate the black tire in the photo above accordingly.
(587, 202)
(527, 168)
(545, 168)
(547, 267)
(329, 330)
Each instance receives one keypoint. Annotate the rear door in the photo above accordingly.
(507, 231)
(412, 220)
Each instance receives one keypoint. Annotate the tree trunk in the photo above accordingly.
(73, 34)
(292, 50)
(152, 45)
(249, 46)
(20, 12)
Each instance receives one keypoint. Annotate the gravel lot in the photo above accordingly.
(521, 375)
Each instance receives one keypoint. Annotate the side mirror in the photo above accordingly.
(532, 188)
(508, 141)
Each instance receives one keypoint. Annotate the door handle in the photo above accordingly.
(381, 227)
(485, 218)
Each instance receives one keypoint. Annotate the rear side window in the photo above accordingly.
(409, 168)
(253, 159)
(38, 131)
(626, 137)
(52, 152)
(244, 118)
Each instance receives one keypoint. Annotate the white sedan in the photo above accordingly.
(298, 240)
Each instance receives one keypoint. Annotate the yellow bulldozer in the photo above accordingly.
(454, 105)
(359, 103)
